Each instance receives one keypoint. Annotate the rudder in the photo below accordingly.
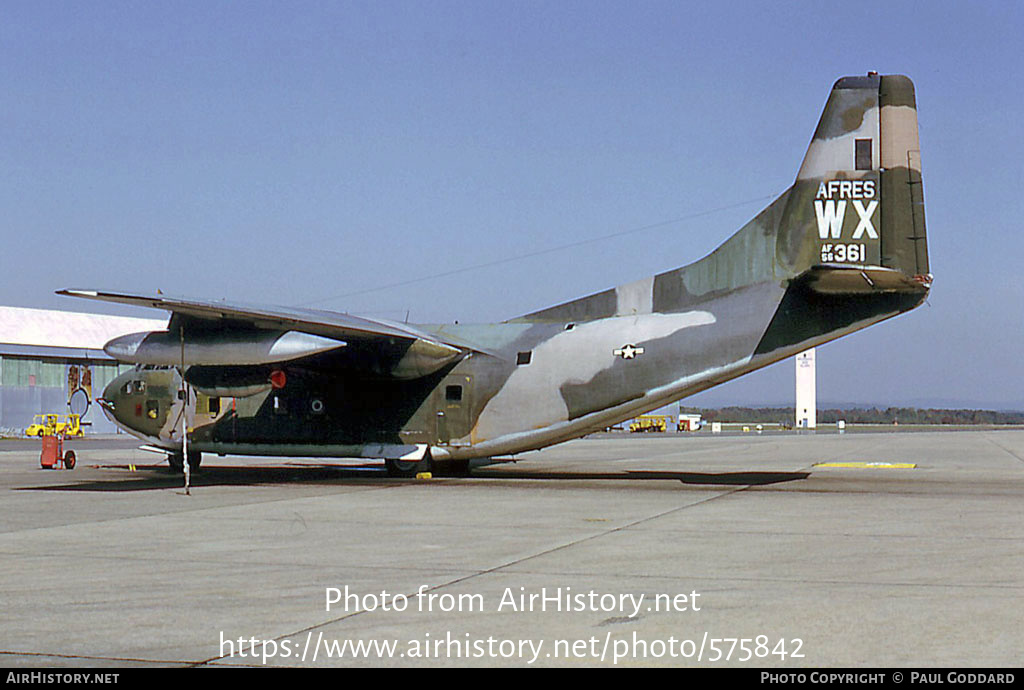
(904, 241)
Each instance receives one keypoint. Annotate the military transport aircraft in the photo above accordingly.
(843, 248)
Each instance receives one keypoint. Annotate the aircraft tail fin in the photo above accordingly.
(863, 169)
(853, 221)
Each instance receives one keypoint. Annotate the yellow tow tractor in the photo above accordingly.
(650, 422)
(54, 424)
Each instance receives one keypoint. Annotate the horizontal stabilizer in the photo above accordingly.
(846, 279)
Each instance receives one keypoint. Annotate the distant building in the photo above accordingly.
(690, 422)
(53, 361)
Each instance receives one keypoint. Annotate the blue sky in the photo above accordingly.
(310, 153)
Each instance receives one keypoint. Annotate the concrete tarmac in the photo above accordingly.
(611, 537)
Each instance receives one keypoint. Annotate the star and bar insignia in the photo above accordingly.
(628, 351)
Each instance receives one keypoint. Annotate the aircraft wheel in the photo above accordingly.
(195, 458)
(454, 468)
(69, 460)
(177, 463)
(407, 468)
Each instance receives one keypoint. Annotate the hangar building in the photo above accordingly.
(53, 361)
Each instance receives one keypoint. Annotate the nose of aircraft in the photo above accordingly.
(141, 400)
(112, 395)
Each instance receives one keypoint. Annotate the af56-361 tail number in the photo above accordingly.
(844, 253)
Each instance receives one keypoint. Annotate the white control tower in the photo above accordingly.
(806, 391)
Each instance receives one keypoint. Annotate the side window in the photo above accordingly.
(214, 406)
(152, 409)
(453, 393)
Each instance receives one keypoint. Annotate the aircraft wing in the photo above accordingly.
(426, 349)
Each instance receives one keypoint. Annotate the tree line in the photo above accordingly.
(857, 415)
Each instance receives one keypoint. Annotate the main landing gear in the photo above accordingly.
(410, 468)
(177, 461)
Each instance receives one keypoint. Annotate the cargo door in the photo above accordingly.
(453, 404)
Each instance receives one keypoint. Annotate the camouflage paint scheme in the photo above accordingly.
(843, 248)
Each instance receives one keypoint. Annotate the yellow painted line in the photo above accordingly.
(869, 465)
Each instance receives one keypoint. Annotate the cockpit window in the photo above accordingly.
(140, 386)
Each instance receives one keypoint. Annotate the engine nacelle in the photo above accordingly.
(217, 348)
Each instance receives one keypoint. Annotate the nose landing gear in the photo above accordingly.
(177, 461)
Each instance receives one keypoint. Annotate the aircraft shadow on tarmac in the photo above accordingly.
(148, 478)
(720, 478)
